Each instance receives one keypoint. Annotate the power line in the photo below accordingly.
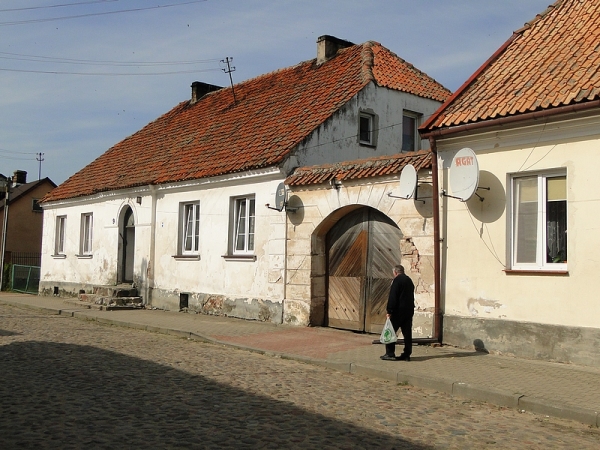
(91, 62)
(56, 6)
(106, 74)
(105, 13)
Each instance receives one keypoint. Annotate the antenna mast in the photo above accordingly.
(229, 70)
(40, 158)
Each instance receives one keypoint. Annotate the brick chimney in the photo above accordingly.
(200, 89)
(19, 177)
(328, 46)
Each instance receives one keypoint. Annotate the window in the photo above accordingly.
(243, 229)
(190, 228)
(35, 205)
(539, 222)
(366, 129)
(410, 141)
(86, 234)
(59, 239)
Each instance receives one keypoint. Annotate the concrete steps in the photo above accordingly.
(109, 298)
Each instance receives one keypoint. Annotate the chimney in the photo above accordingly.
(19, 177)
(200, 89)
(328, 46)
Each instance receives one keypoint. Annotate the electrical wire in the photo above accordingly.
(105, 13)
(29, 8)
(493, 253)
(106, 74)
(92, 62)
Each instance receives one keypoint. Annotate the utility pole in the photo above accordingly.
(40, 158)
(229, 70)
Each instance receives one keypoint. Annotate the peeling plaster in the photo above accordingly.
(488, 305)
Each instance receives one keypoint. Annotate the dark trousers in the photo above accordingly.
(405, 326)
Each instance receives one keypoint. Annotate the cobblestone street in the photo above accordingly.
(69, 383)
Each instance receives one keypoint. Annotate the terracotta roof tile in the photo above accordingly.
(553, 61)
(361, 168)
(273, 114)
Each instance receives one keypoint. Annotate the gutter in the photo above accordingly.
(534, 115)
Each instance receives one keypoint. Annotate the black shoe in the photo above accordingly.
(404, 357)
(388, 358)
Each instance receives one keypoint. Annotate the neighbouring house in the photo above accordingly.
(184, 209)
(23, 237)
(519, 257)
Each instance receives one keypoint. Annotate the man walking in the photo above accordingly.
(400, 310)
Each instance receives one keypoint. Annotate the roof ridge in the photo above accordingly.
(368, 61)
(538, 17)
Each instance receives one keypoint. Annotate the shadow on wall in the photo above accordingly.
(90, 397)
(491, 208)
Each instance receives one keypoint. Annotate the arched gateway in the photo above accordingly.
(361, 250)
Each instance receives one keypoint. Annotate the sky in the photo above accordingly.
(79, 76)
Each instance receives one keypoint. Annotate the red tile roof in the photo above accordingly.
(553, 61)
(360, 168)
(273, 114)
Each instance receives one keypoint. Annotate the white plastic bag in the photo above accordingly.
(388, 335)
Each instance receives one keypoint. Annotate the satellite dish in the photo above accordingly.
(280, 197)
(408, 182)
(464, 174)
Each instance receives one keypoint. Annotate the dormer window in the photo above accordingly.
(410, 134)
(367, 128)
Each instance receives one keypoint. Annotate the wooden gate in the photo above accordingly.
(362, 249)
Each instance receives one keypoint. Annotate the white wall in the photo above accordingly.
(337, 140)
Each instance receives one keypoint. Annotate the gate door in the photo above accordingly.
(362, 249)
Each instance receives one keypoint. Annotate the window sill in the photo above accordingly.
(367, 144)
(186, 257)
(59, 256)
(535, 272)
(239, 257)
(84, 256)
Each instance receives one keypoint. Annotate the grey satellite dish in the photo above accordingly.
(408, 182)
(280, 197)
(464, 174)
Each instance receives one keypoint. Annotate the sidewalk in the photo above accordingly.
(558, 390)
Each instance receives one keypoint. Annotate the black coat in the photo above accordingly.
(401, 301)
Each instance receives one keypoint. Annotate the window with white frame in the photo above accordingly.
(190, 228)
(243, 229)
(410, 134)
(59, 239)
(87, 224)
(539, 221)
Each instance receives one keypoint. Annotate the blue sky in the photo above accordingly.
(71, 87)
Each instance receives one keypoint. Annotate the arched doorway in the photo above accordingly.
(361, 250)
(126, 245)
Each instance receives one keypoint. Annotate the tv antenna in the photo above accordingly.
(464, 176)
(39, 157)
(229, 70)
(281, 202)
(408, 185)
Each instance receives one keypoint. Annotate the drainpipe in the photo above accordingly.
(437, 318)
(152, 257)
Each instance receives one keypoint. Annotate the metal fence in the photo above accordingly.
(23, 258)
(25, 278)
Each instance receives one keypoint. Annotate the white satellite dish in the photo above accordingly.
(464, 174)
(408, 182)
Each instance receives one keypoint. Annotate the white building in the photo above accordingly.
(519, 258)
(178, 208)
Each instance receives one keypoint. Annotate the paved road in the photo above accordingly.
(68, 383)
